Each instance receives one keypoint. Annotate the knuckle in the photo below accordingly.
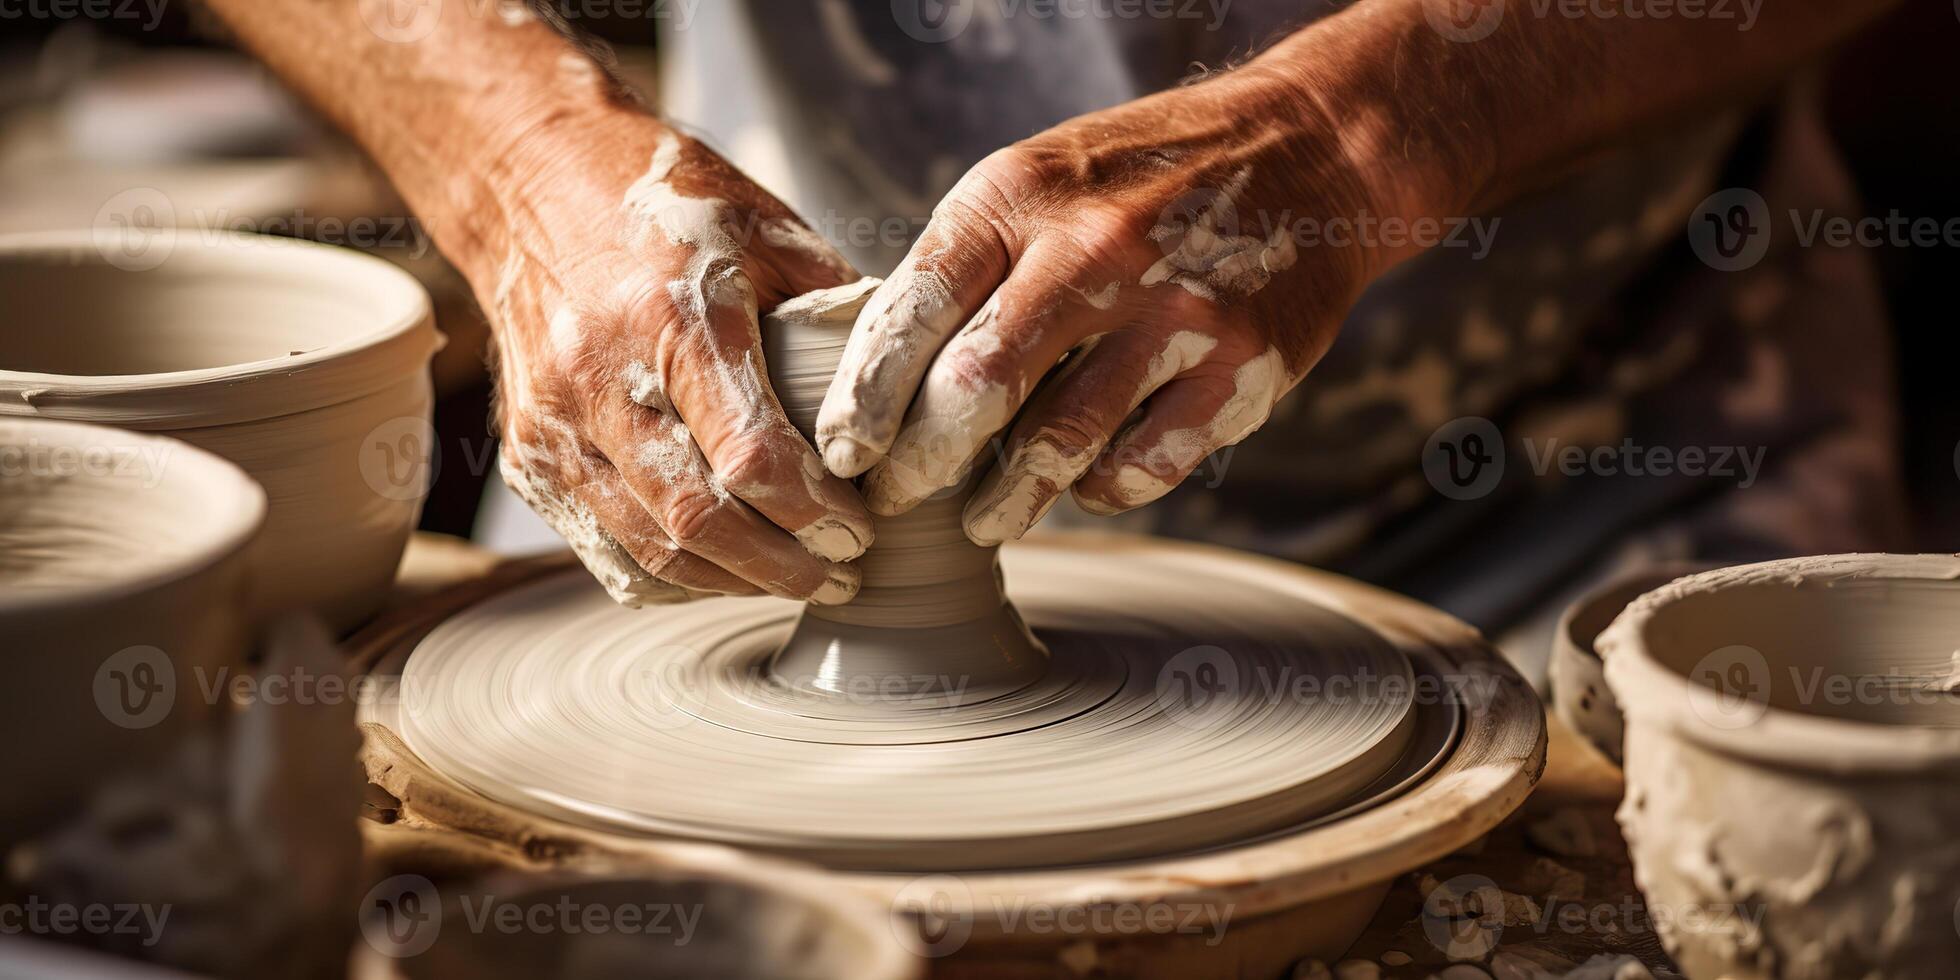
(748, 466)
(1073, 429)
(691, 516)
(1186, 310)
(993, 186)
(658, 560)
(1105, 239)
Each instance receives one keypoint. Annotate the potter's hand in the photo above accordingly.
(1156, 241)
(637, 415)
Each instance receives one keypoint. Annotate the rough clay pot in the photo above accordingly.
(305, 364)
(1793, 765)
(123, 578)
(1578, 678)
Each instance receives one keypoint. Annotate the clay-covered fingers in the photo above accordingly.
(1070, 420)
(666, 472)
(630, 526)
(984, 374)
(1214, 404)
(535, 473)
(943, 281)
(714, 381)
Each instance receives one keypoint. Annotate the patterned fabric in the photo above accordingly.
(1587, 322)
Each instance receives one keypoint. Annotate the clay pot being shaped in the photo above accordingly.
(305, 364)
(1793, 765)
(123, 578)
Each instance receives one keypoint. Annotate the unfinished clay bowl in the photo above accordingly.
(305, 364)
(1793, 765)
(1578, 677)
(123, 578)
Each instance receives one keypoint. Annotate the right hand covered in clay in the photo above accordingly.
(636, 413)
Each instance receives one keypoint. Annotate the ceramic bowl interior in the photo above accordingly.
(85, 509)
(1868, 649)
(242, 300)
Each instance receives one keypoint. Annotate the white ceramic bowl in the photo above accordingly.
(123, 578)
(305, 364)
(1793, 765)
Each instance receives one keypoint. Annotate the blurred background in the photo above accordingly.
(99, 100)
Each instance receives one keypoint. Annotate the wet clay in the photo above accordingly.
(925, 586)
(1792, 743)
(1162, 702)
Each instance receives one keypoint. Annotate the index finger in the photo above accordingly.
(943, 282)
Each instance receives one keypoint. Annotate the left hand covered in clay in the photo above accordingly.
(1155, 240)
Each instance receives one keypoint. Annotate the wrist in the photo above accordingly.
(1403, 144)
(542, 174)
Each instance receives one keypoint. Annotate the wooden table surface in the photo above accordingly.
(1548, 892)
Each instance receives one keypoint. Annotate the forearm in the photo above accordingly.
(464, 114)
(1443, 126)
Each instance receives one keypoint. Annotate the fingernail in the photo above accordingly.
(832, 539)
(1135, 486)
(1009, 507)
(847, 457)
(886, 493)
(840, 585)
(1097, 507)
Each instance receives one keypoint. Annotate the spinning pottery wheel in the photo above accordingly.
(1142, 721)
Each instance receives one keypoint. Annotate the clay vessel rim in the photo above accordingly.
(393, 343)
(1652, 577)
(237, 517)
(762, 876)
(1650, 691)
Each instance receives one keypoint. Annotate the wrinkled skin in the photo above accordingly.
(636, 412)
(1156, 240)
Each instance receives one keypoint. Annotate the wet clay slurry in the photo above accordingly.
(1165, 699)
